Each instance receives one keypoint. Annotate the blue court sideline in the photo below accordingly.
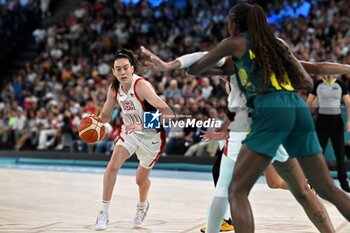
(172, 171)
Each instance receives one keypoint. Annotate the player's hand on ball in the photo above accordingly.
(95, 117)
(132, 128)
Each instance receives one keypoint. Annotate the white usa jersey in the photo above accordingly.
(132, 106)
(237, 103)
(236, 99)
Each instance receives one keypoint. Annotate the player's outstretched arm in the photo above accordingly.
(182, 62)
(325, 68)
(157, 63)
(225, 48)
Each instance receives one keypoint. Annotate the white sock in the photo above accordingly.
(216, 211)
(142, 204)
(105, 206)
(222, 189)
(219, 204)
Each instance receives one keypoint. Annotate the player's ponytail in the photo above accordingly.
(128, 54)
(115, 84)
(262, 38)
(257, 25)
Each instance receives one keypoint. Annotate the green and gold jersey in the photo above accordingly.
(250, 84)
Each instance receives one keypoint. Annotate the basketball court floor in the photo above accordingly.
(35, 199)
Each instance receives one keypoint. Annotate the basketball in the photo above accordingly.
(91, 129)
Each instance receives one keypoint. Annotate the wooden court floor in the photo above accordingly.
(33, 201)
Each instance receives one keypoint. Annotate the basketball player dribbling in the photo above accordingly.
(135, 96)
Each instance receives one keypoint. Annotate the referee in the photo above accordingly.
(329, 123)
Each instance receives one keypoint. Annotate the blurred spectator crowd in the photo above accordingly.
(43, 104)
(16, 23)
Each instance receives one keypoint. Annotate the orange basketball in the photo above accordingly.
(91, 129)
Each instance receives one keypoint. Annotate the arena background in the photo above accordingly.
(55, 58)
(55, 61)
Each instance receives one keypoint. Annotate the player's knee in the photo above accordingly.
(303, 194)
(231, 197)
(112, 169)
(236, 192)
(235, 197)
(141, 181)
(221, 190)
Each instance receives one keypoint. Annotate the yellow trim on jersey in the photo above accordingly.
(286, 84)
(243, 76)
(329, 82)
(251, 54)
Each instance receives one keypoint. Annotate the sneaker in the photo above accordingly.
(50, 143)
(41, 147)
(59, 147)
(141, 213)
(226, 225)
(101, 221)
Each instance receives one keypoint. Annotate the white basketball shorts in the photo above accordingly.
(234, 144)
(147, 147)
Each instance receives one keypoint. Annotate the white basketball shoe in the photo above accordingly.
(140, 217)
(101, 221)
